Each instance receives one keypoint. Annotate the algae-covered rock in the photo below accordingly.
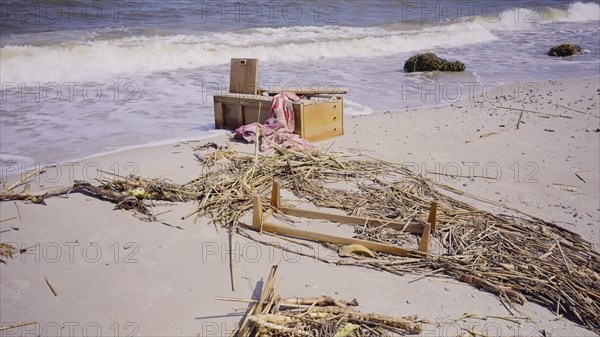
(430, 62)
(565, 50)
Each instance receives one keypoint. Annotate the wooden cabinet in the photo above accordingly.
(315, 119)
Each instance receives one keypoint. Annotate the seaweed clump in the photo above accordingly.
(430, 62)
(565, 50)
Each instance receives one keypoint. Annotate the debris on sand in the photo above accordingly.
(566, 49)
(6, 250)
(514, 255)
(272, 315)
(430, 62)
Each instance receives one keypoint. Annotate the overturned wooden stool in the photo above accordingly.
(260, 224)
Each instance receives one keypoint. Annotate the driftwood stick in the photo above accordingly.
(123, 200)
(535, 112)
(20, 181)
(232, 299)
(81, 187)
(315, 301)
(18, 212)
(488, 286)
(564, 107)
(459, 175)
(562, 254)
(50, 286)
(17, 326)
(232, 256)
(37, 197)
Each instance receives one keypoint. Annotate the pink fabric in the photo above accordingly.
(283, 109)
(278, 129)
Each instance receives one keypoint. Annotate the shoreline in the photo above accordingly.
(440, 101)
(176, 273)
(210, 135)
(172, 141)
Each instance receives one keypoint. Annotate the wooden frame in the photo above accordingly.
(260, 224)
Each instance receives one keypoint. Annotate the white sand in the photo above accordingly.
(116, 274)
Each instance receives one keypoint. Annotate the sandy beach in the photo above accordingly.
(115, 274)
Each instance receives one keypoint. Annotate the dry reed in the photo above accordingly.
(513, 255)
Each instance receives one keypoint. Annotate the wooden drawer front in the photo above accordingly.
(322, 121)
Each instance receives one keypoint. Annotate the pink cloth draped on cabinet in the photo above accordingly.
(278, 129)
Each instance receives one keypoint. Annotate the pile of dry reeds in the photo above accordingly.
(513, 255)
(272, 315)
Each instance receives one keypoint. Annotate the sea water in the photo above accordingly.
(86, 77)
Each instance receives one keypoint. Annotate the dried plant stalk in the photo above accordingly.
(515, 254)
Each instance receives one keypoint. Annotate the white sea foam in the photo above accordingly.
(355, 108)
(576, 12)
(581, 12)
(523, 18)
(96, 60)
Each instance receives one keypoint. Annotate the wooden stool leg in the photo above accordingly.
(425, 239)
(275, 196)
(432, 216)
(257, 214)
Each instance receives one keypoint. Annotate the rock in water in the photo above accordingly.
(430, 62)
(565, 50)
